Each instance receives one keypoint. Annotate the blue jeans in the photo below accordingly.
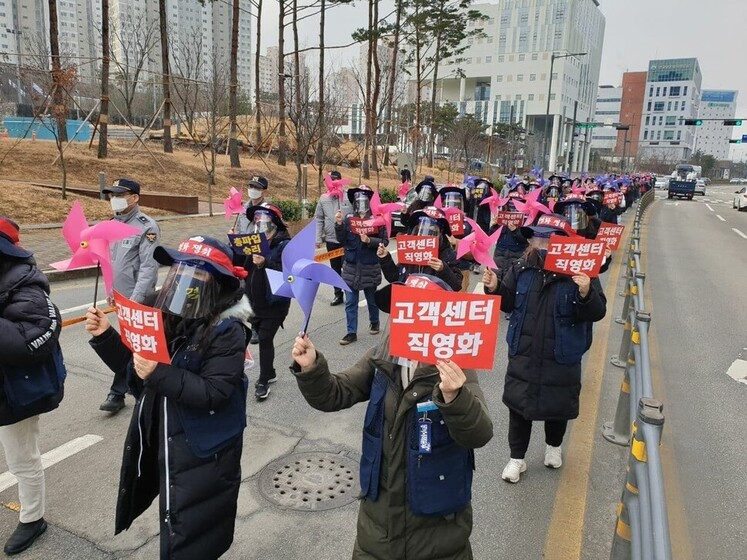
(351, 308)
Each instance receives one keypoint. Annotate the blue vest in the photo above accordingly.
(438, 483)
(572, 339)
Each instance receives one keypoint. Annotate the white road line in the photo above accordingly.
(738, 371)
(99, 303)
(709, 207)
(721, 218)
(478, 288)
(54, 456)
(739, 233)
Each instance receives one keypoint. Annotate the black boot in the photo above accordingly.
(24, 536)
(337, 300)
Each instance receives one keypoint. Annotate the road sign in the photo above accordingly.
(586, 125)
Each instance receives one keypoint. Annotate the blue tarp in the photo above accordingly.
(18, 127)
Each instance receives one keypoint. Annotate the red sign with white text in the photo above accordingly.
(431, 325)
(416, 249)
(362, 226)
(515, 219)
(141, 329)
(612, 197)
(456, 221)
(610, 234)
(573, 255)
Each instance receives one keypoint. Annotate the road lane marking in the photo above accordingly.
(709, 207)
(479, 288)
(721, 218)
(739, 233)
(100, 303)
(54, 456)
(738, 371)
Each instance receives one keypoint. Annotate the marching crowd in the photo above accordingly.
(423, 421)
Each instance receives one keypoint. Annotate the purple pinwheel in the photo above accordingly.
(537, 172)
(532, 206)
(494, 201)
(301, 275)
(513, 181)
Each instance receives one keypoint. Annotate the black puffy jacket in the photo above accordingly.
(30, 326)
(198, 400)
(257, 286)
(360, 266)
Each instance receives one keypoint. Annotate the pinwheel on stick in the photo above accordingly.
(233, 205)
(532, 206)
(479, 244)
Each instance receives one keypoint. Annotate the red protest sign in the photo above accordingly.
(571, 255)
(141, 329)
(456, 221)
(416, 249)
(430, 325)
(610, 197)
(515, 219)
(610, 234)
(362, 226)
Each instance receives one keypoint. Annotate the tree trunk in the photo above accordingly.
(376, 84)
(104, 107)
(322, 126)
(365, 166)
(58, 98)
(301, 142)
(163, 23)
(281, 84)
(391, 85)
(432, 131)
(257, 92)
(233, 147)
(418, 97)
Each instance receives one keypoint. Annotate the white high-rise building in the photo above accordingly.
(609, 103)
(507, 72)
(672, 96)
(712, 137)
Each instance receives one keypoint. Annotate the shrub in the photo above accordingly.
(388, 195)
(291, 209)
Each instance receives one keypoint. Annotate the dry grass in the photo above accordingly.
(182, 172)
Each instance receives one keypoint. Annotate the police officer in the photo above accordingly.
(256, 191)
(135, 270)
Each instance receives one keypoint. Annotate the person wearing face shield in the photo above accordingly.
(135, 271)
(425, 195)
(360, 268)
(455, 197)
(256, 192)
(270, 310)
(549, 331)
(429, 222)
(184, 442)
(511, 243)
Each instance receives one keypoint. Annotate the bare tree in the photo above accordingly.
(233, 88)
(214, 101)
(58, 95)
(282, 147)
(105, 59)
(257, 89)
(164, 36)
(189, 58)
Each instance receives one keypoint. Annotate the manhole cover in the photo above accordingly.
(310, 481)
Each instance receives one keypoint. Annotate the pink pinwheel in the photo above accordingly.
(90, 245)
(532, 206)
(450, 212)
(494, 201)
(334, 186)
(233, 204)
(479, 244)
(404, 188)
(382, 213)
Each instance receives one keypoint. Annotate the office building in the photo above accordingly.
(631, 113)
(604, 138)
(712, 137)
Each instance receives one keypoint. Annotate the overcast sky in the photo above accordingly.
(637, 31)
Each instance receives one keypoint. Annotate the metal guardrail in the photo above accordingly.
(641, 528)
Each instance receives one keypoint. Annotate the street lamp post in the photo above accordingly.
(626, 128)
(553, 56)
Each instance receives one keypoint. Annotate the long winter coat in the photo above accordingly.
(508, 249)
(265, 305)
(197, 494)
(536, 385)
(450, 273)
(387, 528)
(360, 265)
(29, 330)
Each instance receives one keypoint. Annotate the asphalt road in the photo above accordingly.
(563, 514)
(696, 264)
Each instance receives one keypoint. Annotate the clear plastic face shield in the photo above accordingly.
(553, 191)
(427, 193)
(361, 203)
(189, 291)
(427, 227)
(263, 223)
(577, 216)
(453, 200)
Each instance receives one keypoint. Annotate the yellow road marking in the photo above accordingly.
(566, 531)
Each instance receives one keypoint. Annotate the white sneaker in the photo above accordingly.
(553, 457)
(512, 471)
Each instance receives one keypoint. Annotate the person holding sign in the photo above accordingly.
(360, 267)
(270, 310)
(454, 202)
(184, 442)
(428, 222)
(421, 427)
(511, 243)
(549, 331)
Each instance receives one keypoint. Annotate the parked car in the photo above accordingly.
(700, 187)
(738, 181)
(661, 183)
(740, 199)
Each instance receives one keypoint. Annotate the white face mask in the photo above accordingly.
(254, 194)
(119, 204)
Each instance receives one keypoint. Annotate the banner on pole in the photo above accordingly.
(329, 255)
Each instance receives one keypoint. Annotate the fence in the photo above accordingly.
(642, 529)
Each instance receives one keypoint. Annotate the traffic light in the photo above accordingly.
(733, 122)
(693, 122)
(735, 141)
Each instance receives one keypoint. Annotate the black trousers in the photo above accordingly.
(119, 385)
(266, 330)
(336, 264)
(520, 430)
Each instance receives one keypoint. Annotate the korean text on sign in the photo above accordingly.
(573, 255)
(456, 221)
(610, 235)
(515, 219)
(432, 325)
(612, 198)
(362, 226)
(141, 329)
(416, 249)
(249, 244)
